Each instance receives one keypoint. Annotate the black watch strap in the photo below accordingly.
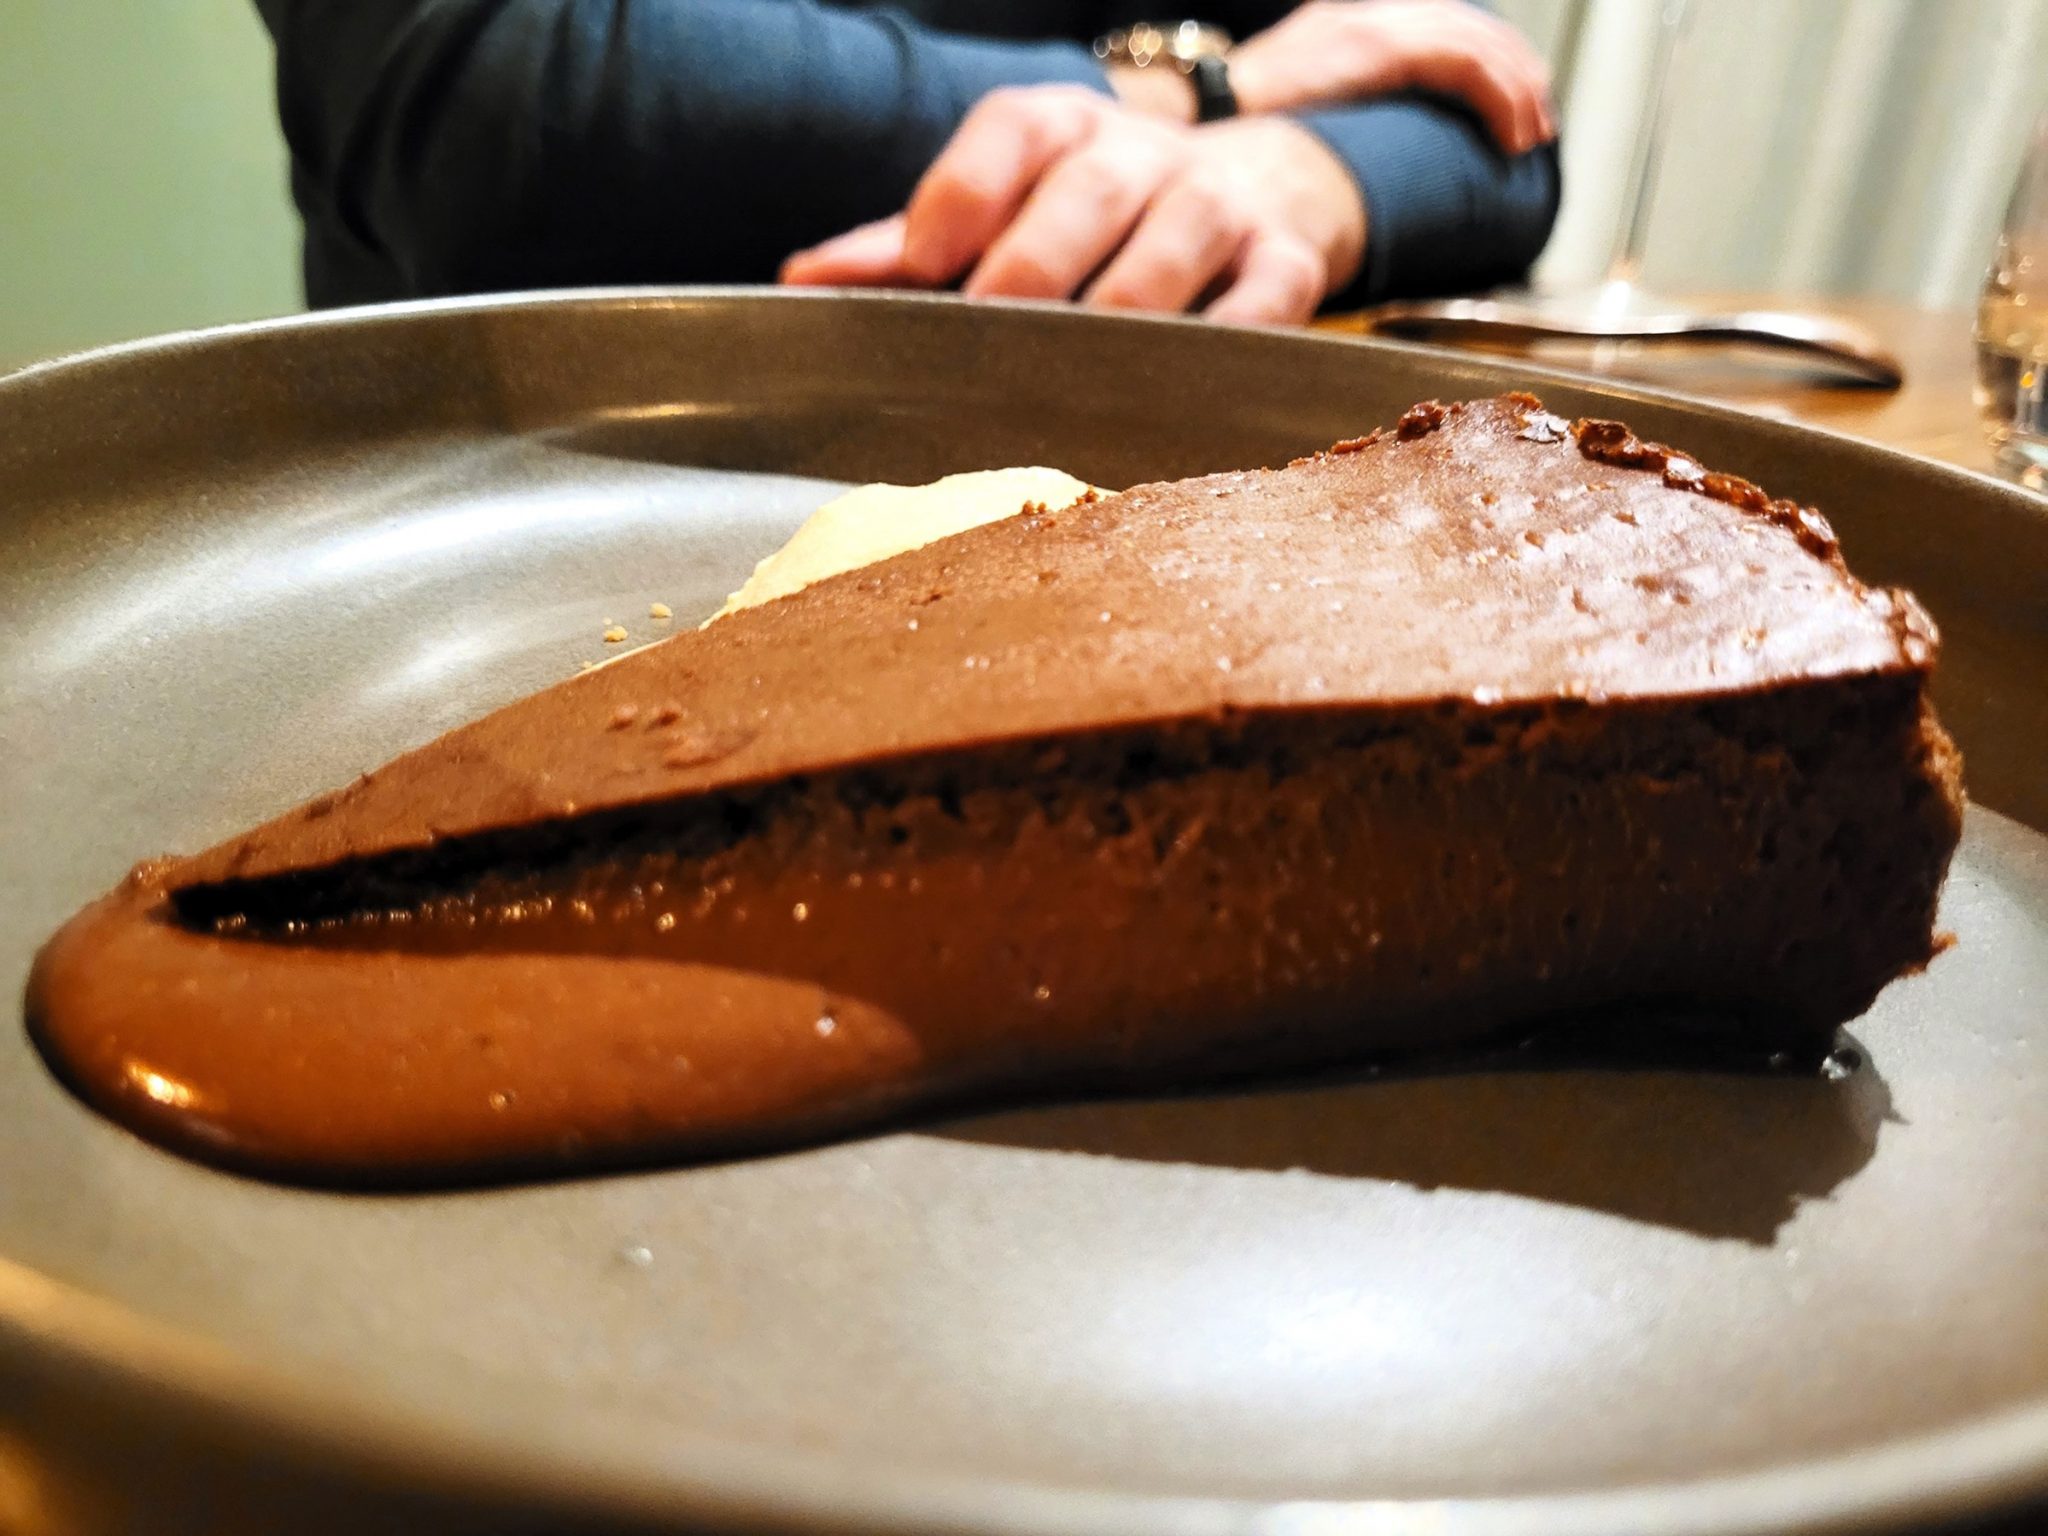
(1214, 98)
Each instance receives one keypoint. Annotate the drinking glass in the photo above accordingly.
(2012, 326)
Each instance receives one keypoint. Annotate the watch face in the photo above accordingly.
(1191, 40)
(1177, 42)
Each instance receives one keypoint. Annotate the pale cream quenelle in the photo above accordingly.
(875, 522)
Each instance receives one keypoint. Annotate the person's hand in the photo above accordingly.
(1053, 191)
(1160, 92)
(1329, 52)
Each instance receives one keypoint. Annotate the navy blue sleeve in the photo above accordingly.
(1446, 211)
(446, 146)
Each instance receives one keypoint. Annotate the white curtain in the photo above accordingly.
(1812, 146)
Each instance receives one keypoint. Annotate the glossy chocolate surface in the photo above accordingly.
(1452, 729)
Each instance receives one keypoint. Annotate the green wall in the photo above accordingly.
(142, 178)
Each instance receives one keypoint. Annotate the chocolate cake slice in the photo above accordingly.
(1456, 729)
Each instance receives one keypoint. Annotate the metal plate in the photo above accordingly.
(240, 566)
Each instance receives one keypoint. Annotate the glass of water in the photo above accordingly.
(2012, 326)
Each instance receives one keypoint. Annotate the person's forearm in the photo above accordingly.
(548, 142)
(1446, 212)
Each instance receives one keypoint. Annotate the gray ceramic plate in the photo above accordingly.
(241, 566)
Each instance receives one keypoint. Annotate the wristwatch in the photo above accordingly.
(1194, 48)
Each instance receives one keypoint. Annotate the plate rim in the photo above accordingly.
(1982, 1467)
(682, 295)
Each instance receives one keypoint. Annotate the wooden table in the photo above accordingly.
(1932, 414)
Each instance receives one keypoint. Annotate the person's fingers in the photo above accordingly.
(1349, 50)
(1524, 93)
(980, 179)
(1546, 104)
(1279, 282)
(1529, 81)
(1190, 235)
(1079, 214)
(868, 257)
(1481, 75)
(1449, 48)
(1523, 72)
